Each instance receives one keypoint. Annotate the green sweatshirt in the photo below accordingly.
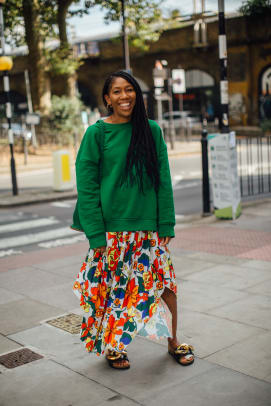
(106, 205)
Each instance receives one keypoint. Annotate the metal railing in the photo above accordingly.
(254, 165)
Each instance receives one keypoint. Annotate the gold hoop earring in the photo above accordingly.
(109, 108)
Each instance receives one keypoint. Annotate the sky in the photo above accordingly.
(93, 24)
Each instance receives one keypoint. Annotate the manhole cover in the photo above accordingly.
(16, 358)
(70, 323)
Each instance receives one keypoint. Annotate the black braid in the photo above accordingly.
(141, 152)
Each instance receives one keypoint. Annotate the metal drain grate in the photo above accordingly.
(16, 358)
(70, 323)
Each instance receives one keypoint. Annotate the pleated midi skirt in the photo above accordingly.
(120, 291)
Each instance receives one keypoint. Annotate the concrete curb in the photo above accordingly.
(35, 198)
(209, 219)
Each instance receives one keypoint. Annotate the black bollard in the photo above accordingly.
(205, 173)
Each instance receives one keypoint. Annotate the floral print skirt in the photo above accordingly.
(120, 291)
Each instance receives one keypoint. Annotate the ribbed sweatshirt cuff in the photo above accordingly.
(166, 230)
(98, 240)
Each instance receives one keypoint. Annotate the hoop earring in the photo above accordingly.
(109, 108)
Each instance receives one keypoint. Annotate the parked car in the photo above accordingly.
(183, 120)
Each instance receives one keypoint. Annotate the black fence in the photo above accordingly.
(254, 165)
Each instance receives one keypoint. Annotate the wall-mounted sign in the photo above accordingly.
(32, 118)
(178, 81)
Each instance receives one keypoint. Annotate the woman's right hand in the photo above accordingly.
(100, 249)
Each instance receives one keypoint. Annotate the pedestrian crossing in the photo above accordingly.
(19, 233)
(26, 230)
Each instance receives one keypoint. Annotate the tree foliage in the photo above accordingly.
(144, 19)
(65, 118)
(36, 22)
(253, 8)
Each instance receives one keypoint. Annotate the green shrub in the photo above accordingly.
(65, 119)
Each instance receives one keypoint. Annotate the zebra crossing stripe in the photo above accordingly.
(62, 241)
(29, 224)
(29, 239)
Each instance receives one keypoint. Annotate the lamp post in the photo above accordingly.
(126, 56)
(5, 66)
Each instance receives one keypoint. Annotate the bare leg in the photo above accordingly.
(171, 301)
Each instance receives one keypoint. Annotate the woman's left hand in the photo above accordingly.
(165, 241)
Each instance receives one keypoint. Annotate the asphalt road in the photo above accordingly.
(44, 226)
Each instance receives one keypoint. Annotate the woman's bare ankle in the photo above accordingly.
(173, 342)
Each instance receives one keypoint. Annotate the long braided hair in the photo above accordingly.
(141, 152)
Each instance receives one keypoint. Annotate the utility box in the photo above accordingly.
(62, 171)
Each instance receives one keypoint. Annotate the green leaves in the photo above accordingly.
(65, 118)
(62, 61)
(144, 20)
(251, 8)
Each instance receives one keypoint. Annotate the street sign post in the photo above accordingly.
(32, 118)
(178, 81)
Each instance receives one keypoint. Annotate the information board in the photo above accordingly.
(224, 175)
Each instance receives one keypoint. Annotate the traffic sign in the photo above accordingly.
(32, 118)
(159, 73)
(178, 81)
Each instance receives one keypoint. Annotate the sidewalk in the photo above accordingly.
(223, 271)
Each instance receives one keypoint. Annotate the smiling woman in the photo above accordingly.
(125, 207)
(121, 100)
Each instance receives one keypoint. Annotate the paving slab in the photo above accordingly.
(263, 288)
(231, 276)
(8, 295)
(146, 357)
(51, 341)
(254, 310)
(217, 258)
(226, 241)
(44, 382)
(119, 400)
(184, 265)
(42, 256)
(202, 297)
(22, 314)
(29, 279)
(209, 333)
(7, 345)
(59, 265)
(218, 386)
(257, 264)
(152, 369)
(69, 271)
(60, 296)
(251, 357)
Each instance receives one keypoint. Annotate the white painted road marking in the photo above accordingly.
(28, 224)
(9, 252)
(186, 185)
(61, 204)
(35, 238)
(62, 241)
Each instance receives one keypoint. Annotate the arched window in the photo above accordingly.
(198, 78)
(265, 94)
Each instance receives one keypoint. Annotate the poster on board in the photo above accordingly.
(224, 175)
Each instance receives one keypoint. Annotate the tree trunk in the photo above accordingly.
(69, 80)
(40, 83)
